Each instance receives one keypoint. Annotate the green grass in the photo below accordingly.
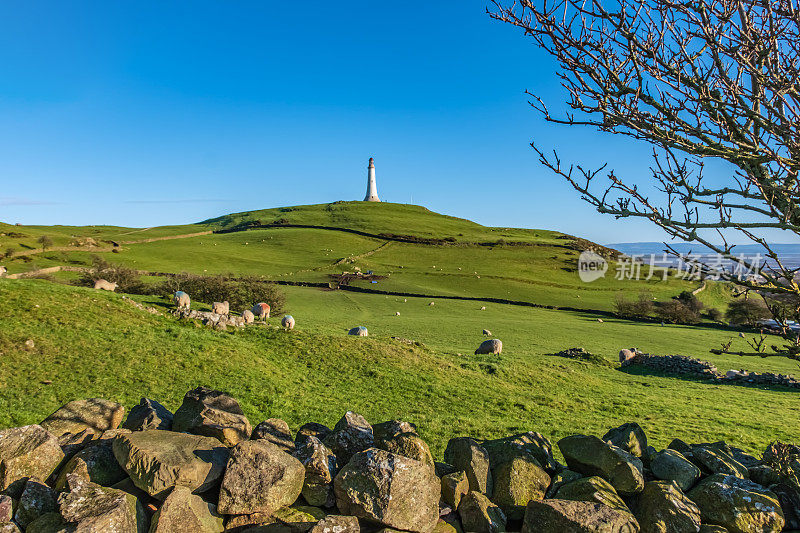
(92, 343)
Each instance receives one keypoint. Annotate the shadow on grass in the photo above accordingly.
(640, 370)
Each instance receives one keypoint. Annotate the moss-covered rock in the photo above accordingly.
(277, 432)
(37, 499)
(260, 477)
(148, 414)
(568, 516)
(536, 444)
(212, 413)
(26, 452)
(95, 509)
(518, 481)
(670, 465)
(479, 515)
(186, 512)
(629, 437)
(389, 489)
(663, 508)
(94, 414)
(351, 434)
(465, 454)
(592, 489)
(593, 457)
(95, 463)
(454, 487)
(321, 467)
(157, 461)
(739, 505)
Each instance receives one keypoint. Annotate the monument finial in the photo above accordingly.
(372, 188)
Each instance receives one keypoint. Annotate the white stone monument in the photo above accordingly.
(372, 188)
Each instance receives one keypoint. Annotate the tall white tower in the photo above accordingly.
(372, 188)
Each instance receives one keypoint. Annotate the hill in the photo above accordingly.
(88, 343)
(413, 250)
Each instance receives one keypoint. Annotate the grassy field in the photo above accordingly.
(91, 343)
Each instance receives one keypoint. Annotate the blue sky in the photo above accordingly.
(152, 113)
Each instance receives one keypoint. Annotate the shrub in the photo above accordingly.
(747, 311)
(45, 241)
(639, 308)
(240, 293)
(714, 314)
(676, 312)
(127, 279)
(691, 301)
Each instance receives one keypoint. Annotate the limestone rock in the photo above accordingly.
(630, 437)
(454, 487)
(466, 454)
(718, 462)
(479, 515)
(95, 509)
(6, 508)
(409, 445)
(389, 489)
(567, 516)
(277, 432)
(351, 434)
(739, 505)
(159, 460)
(321, 467)
(337, 524)
(212, 413)
(592, 489)
(516, 482)
(37, 499)
(148, 414)
(663, 508)
(300, 518)
(311, 429)
(491, 346)
(534, 443)
(260, 477)
(670, 465)
(185, 512)
(591, 456)
(94, 414)
(26, 452)
(95, 463)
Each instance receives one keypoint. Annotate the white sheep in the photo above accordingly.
(493, 346)
(261, 310)
(288, 322)
(105, 285)
(181, 300)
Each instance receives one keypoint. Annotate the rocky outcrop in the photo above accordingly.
(212, 413)
(26, 452)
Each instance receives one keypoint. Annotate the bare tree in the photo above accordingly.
(697, 80)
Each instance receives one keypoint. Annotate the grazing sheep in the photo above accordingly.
(432, 303)
(600, 320)
(626, 354)
(360, 331)
(181, 300)
(487, 332)
(261, 310)
(493, 346)
(105, 285)
(483, 308)
(288, 322)
(248, 316)
(397, 313)
(221, 308)
(3, 271)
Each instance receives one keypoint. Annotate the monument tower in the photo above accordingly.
(372, 188)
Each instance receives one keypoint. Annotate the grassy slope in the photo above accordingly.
(94, 344)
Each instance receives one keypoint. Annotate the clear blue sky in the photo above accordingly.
(149, 113)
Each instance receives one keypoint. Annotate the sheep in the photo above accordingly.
(288, 322)
(248, 316)
(221, 308)
(487, 333)
(483, 308)
(3, 271)
(491, 346)
(105, 285)
(181, 300)
(397, 313)
(261, 310)
(432, 303)
(360, 331)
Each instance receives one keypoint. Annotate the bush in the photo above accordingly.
(639, 308)
(747, 311)
(240, 293)
(714, 314)
(127, 279)
(690, 300)
(676, 312)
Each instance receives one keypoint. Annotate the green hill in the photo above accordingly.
(413, 250)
